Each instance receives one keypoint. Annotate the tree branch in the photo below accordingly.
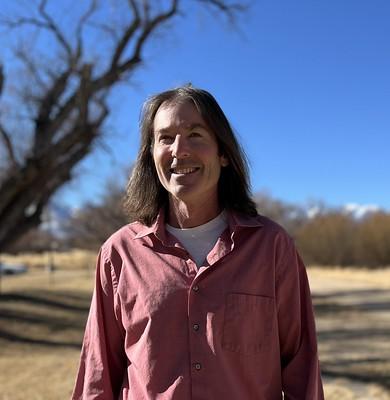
(149, 28)
(229, 9)
(134, 8)
(146, 7)
(115, 71)
(123, 42)
(225, 7)
(8, 145)
(104, 111)
(63, 113)
(84, 94)
(43, 123)
(16, 23)
(79, 30)
(104, 28)
(47, 24)
(31, 66)
(1, 78)
(53, 27)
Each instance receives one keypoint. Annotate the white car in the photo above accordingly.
(12, 269)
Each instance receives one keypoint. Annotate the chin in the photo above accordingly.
(183, 194)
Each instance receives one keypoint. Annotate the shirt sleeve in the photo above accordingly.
(301, 379)
(103, 361)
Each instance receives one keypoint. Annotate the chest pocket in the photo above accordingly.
(248, 323)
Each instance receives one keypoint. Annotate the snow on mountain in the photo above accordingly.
(354, 209)
(360, 210)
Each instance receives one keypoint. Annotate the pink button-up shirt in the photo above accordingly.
(241, 327)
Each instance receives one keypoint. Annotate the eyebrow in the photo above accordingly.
(190, 128)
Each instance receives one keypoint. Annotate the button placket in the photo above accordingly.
(194, 319)
(195, 326)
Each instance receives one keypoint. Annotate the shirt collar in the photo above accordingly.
(158, 226)
(238, 220)
(235, 220)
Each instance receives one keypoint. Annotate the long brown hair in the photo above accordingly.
(145, 195)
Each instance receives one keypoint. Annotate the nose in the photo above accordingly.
(180, 148)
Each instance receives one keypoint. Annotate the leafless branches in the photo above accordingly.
(69, 97)
(229, 9)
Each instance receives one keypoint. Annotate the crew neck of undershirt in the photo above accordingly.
(199, 240)
(212, 225)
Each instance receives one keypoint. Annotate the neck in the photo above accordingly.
(185, 215)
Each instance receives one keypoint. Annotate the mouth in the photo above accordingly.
(183, 171)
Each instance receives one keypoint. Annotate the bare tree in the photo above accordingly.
(67, 95)
(373, 240)
(90, 226)
(328, 239)
(290, 216)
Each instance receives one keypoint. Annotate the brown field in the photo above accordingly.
(75, 259)
(42, 317)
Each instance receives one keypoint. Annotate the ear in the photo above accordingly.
(224, 161)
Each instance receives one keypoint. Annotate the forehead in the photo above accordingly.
(183, 115)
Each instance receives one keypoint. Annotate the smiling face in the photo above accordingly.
(186, 154)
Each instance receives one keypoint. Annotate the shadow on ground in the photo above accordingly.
(354, 335)
(43, 318)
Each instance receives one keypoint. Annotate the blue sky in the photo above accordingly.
(305, 84)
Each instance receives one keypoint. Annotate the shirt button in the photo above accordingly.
(198, 366)
(196, 327)
(195, 288)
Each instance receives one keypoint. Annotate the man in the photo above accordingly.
(200, 298)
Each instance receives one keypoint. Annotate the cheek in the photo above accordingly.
(158, 159)
(160, 165)
(214, 171)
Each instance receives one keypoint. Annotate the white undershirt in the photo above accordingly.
(198, 241)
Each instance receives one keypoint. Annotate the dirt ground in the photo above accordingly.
(353, 323)
(42, 317)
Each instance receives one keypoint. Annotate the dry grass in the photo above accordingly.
(42, 319)
(363, 277)
(74, 259)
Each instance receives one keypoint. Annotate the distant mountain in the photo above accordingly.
(356, 210)
(360, 210)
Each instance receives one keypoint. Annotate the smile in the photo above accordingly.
(183, 171)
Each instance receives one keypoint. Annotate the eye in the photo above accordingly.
(165, 139)
(195, 134)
